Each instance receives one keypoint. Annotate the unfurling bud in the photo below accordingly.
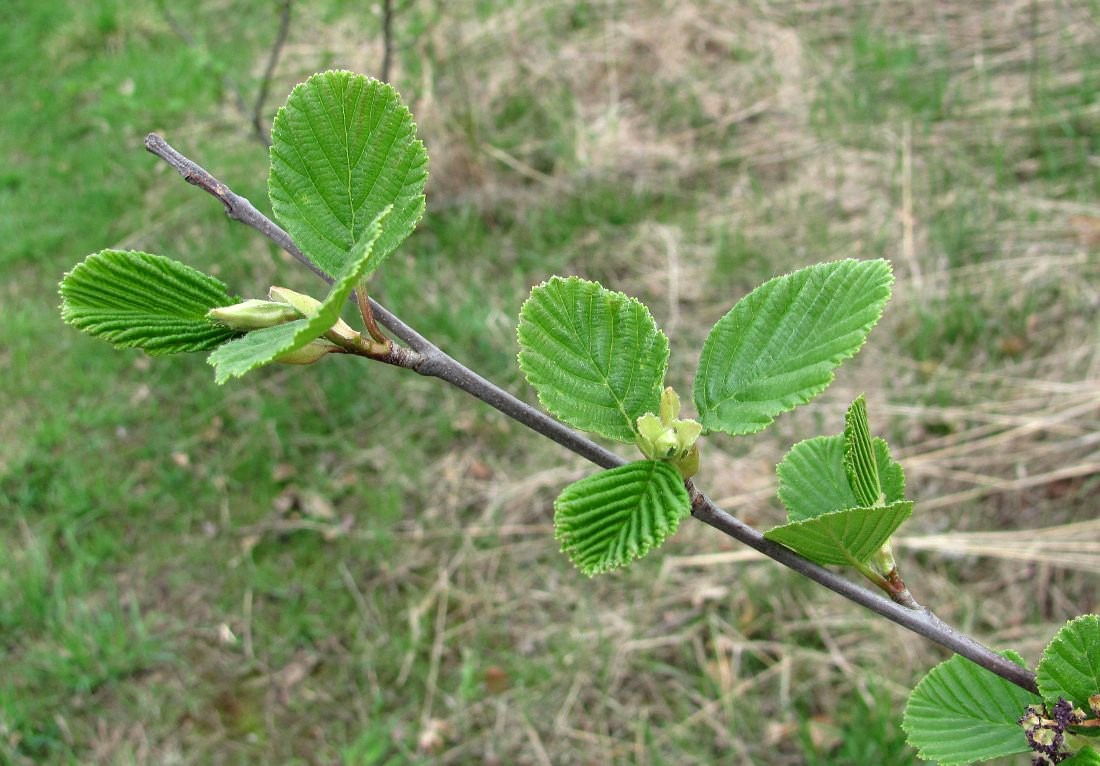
(670, 406)
(666, 438)
(253, 315)
(308, 354)
(654, 439)
(309, 307)
(688, 465)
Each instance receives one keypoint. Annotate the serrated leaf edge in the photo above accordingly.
(1050, 696)
(823, 519)
(631, 422)
(927, 679)
(706, 414)
(666, 525)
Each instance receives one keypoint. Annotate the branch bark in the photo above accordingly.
(435, 363)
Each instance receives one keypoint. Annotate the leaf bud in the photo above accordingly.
(306, 304)
(253, 314)
(308, 354)
(310, 306)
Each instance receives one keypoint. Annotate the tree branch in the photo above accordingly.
(436, 363)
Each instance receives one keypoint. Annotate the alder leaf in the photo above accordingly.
(1070, 665)
(138, 300)
(260, 347)
(845, 537)
(777, 348)
(343, 148)
(607, 520)
(961, 713)
(595, 357)
(813, 479)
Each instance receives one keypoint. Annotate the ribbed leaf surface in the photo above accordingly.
(595, 357)
(1070, 665)
(843, 537)
(960, 713)
(777, 348)
(343, 148)
(611, 518)
(261, 347)
(138, 300)
(813, 479)
(859, 455)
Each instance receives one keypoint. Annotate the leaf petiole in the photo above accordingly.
(367, 314)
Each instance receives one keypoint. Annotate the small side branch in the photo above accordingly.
(435, 363)
(258, 126)
(387, 40)
(255, 114)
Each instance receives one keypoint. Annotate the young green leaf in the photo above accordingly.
(1070, 665)
(138, 300)
(961, 713)
(849, 536)
(260, 347)
(859, 456)
(343, 148)
(613, 517)
(813, 480)
(777, 348)
(595, 357)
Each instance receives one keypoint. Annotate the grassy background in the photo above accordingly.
(346, 564)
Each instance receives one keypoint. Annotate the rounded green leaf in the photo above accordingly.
(961, 713)
(138, 300)
(595, 357)
(261, 347)
(813, 479)
(777, 348)
(1070, 665)
(342, 149)
(611, 518)
(849, 536)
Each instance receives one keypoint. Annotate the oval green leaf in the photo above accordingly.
(961, 713)
(138, 300)
(342, 149)
(845, 537)
(813, 479)
(595, 356)
(607, 520)
(261, 347)
(778, 347)
(1070, 665)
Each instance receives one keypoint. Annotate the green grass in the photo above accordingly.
(317, 565)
